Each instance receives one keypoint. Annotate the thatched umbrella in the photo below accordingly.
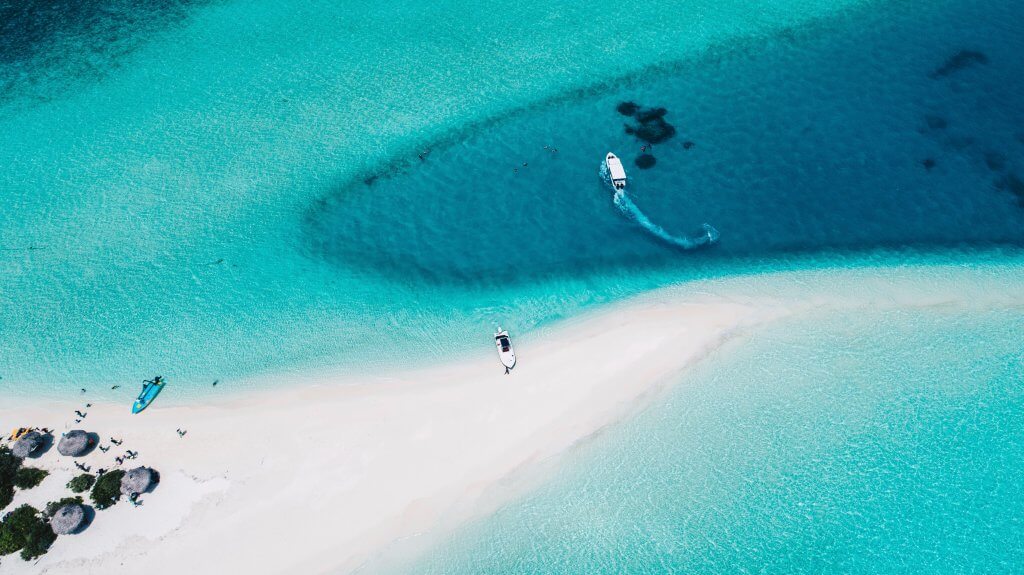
(74, 443)
(27, 444)
(138, 480)
(68, 519)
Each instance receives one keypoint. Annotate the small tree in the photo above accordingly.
(26, 530)
(9, 465)
(81, 483)
(107, 489)
(54, 506)
(29, 477)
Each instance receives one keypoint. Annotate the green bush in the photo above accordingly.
(81, 483)
(9, 465)
(26, 530)
(53, 506)
(107, 489)
(29, 477)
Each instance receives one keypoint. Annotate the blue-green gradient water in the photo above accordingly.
(866, 442)
(227, 189)
(220, 189)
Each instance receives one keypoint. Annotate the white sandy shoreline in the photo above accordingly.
(322, 478)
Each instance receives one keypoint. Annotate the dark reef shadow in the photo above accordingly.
(960, 61)
(75, 40)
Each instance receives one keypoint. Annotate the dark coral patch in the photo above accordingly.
(1013, 184)
(650, 126)
(627, 108)
(688, 144)
(959, 61)
(650, 115)
(654, 132)
(936, 122)
(995, 161)
(928, 163)
(645, 161)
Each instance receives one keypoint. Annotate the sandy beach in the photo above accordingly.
(323, 477)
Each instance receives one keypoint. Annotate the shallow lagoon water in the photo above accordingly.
(203, 208)
(155, 203)
(867, 442)
(234, 190)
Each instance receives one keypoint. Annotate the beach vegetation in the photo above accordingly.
(81, 483)
(107, 489)
(25, 529)
(53, 506)
(29, 477)
(9, 465)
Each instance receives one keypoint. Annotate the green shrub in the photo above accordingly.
(81, 483)
(29, 477)
(53, 506)
(9, 465)
(26, 530)
(107, 489)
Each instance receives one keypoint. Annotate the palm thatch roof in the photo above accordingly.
(74, 443)
(27, 444)
(138, 480)
(68, 519)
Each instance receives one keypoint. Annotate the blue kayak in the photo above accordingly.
(150, 389)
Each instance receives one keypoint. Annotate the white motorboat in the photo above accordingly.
(615, 171)
(506, 354)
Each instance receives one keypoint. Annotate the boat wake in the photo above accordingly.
(708, 236)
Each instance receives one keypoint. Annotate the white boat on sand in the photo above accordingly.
(506, 354)
(615, 171)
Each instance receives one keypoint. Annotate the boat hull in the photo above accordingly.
(506, 354)
(147, 396)
(616, 173)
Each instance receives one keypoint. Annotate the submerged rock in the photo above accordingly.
(645, 161)
(650, 126)
(650, 115)
(688, 144)
(928, 164)
(959, 61)
(1013, 184)
(936, 122)
(627, 108)
(995, 161)
(653, 132)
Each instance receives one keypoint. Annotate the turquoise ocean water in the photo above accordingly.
(223, 189)
(884, 442)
